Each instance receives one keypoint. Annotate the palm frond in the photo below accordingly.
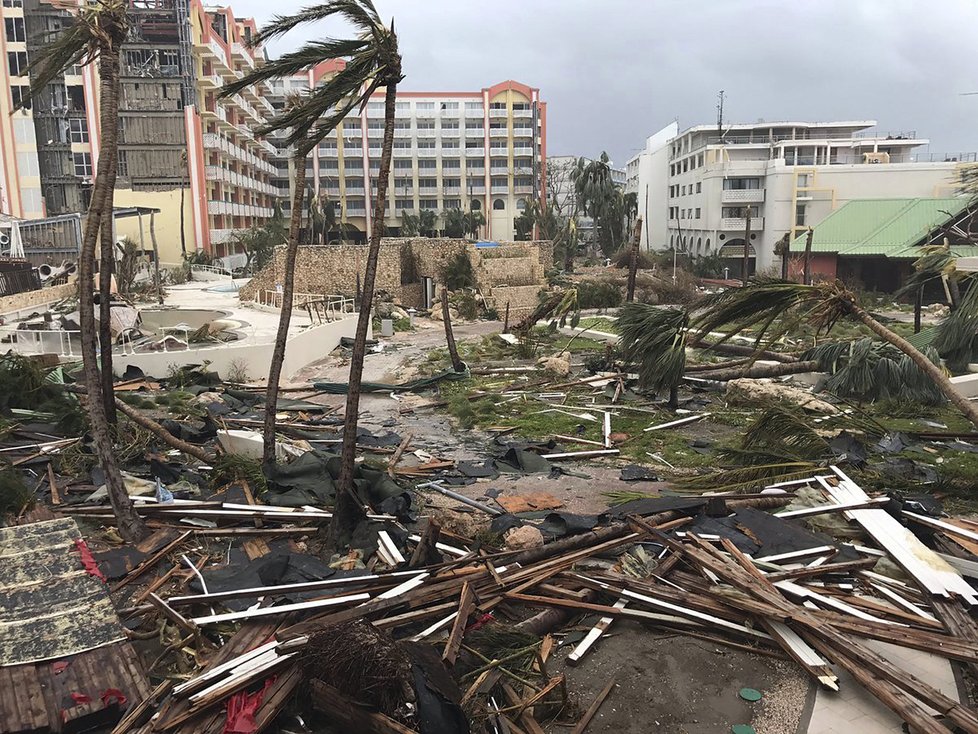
(296, 61)
(766, 306)
(787, 430)
(745, 478)
(653, 340)
(935, 263)
(957, 334)
(360, 13)
(869, 370)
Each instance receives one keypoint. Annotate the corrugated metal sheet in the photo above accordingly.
(881, 227)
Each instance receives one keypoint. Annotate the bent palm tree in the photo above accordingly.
(95, 33)
(769, 307)
(372, 62)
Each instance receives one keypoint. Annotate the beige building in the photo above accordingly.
(695, 187)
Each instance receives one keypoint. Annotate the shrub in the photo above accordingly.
(603, 293)
(623, 259)
(457, 273)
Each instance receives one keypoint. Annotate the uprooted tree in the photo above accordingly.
(654, 340)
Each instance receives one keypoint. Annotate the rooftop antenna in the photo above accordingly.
(720, 113)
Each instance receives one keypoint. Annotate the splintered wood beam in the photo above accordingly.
(592, 710)
(594, 635)
(465, 606)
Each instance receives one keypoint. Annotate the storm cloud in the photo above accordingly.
(615, 71)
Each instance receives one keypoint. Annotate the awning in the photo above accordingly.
(735, 249)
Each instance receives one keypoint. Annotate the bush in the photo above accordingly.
(458, 273)
(623, 259)
(603, 293)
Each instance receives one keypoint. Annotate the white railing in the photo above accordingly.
(498, 112)
(67, 342)
(734, 196)
(208, 272)
(522, 113)
(740, 223)
(333, 306)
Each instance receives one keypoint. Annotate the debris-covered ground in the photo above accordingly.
(549, 549)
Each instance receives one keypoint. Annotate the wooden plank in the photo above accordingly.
(592, 711)
(151, 561)
(593, 635)
(465, 606)
(172, 614)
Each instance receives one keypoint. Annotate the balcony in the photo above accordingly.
(498, 132)
(353, 152)
(428, 190)
(474, 133)
(739, 224)
(497, 189)
(522, 113)
(427, 152)
(402, 132)
(476, 189)
(328, 152)
(475, 152)
(402, 152)
(425, 113)
(522, 151)
(450, 190)
(375, 152)
(498, 113)
(427, 133)
(355, 190)
(499, 170)
(742, 196)
(450, 132)
(523, 189)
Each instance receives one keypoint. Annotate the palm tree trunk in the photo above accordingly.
(285, 313)
(457, 364)
(633, 260)
(807, 268)
(130, 525)
(109, 69)
(756, 371)
(925, 365)
(349, 510)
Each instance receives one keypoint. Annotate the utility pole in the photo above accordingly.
(720, 97)
(746, 261)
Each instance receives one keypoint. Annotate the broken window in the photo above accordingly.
(76, 98)
(20, 95)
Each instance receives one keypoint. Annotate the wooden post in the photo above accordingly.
(746, 261)
(457, 364)
(633, 260)
(156, 256)
(506, 320)
(918, 306)
(785, 255)
(808, 256)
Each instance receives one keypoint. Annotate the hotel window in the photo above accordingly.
(449, 144)
(13, 3)
(425, 106)
(20, 95)
(400, 106)
(15, 30)
(697, 212)
(730, 184)
(426, 144)
(17, 62)
(428, 204)
(452, 204)
(449, 106)
(83, 164)
(799, 215)
(699, 187)
(473, 107)
(78, 130)
(426, 124)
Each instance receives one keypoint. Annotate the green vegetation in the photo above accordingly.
(15, 495)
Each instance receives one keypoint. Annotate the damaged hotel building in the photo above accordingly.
(196, 157)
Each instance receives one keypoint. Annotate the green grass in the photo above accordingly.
(598, 324)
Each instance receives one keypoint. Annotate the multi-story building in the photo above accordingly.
(181, 150)
(474, 151)
(196, 158)
(696, 188)
(562, 193)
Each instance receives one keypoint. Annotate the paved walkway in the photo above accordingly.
(853, 710)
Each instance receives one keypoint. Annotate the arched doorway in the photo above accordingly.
(732, 253)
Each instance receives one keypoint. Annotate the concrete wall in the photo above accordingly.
(301, 349)
(167, 222)
(334, 269)
(22, 304)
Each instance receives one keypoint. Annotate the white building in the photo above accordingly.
(694, 187)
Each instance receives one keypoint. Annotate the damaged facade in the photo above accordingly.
(411, 271)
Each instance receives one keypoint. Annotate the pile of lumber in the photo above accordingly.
(803, 604)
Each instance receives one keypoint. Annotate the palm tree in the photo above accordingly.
(372, 63)
(768, 307)
(410, 224)
(473, 221)
(599, 198)
(95, 33)
(455, 223)
(427, 222)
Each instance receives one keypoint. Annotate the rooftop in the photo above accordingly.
(888, 227)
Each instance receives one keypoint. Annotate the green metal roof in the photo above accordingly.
(887, 227)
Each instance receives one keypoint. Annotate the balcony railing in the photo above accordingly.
(353, 152)
(427, 133)
(480, 189)
(498, 113)
(450, 132)
(522, 151)
(522, 113)
(475, 152)
(742, 196)
(427, 152)
(402, 132)
(499, 170)
(739, 224)
(402, 152)
(475, 133)
(498, 132)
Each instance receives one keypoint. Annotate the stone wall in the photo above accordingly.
(521, 299)
(333, 269)
(19, 302)
(329, 269)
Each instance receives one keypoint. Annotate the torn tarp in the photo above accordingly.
(521, 461)
(311, 480)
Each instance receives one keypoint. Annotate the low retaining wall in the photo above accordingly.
(23, 304)
(302, 349)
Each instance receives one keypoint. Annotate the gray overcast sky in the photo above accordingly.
(615, 71)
